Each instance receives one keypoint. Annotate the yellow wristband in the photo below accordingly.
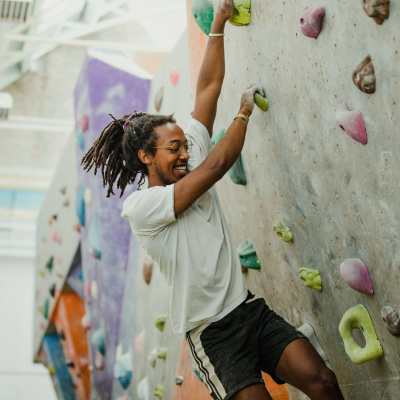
(215, 35)
(242, 117)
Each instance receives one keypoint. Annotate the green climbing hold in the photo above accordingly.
(162, 354)
(99, 341)
(236, 173)
(242, 13)
(357, 317)
(284, 232)
(203, 12)
(152, 358)
(159, 392)
(261, 102)
(311, 278)
(160, 323)
(46, 309)
(50, 264)
(248, 255)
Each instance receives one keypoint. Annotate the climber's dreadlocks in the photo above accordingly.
(115, 151)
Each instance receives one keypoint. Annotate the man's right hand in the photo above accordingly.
(247, 101)
(224, 9)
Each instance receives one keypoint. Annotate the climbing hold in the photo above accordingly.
(355, 273)
(248, 255)
(312, 20)
(56, 238)
(311, 278)
(158, 99)
(81, 140)
(379, 10)
(80, 206)
(174, 77)
(94, 290)
(364, 76)
(203, 12)
(284, 232)
(87, 196)
(159, 392)
(63, 190)
(52, 290)
(357, 317)
(98, 340)
(123, 370)
(308, 331)
(85, 322)
(162, 353)
(261, 101)
(241, 13)
(94, 237)
(391, 317)
(160, 322)
(147, 269)
(99, 361)
(50, 264)
(179, 380)
(352, 122)
(152, 358)
(46, 309)
(236, 173)
(85, 123)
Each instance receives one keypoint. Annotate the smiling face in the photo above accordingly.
(170, 161)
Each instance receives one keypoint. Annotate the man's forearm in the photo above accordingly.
(212, 70)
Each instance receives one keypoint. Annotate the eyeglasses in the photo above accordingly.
(176, 147)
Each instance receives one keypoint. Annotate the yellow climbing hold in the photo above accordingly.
(261, 102)
(284, 232)
(242, 13)
(311, 278)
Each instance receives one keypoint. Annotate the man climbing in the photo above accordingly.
(232, 335)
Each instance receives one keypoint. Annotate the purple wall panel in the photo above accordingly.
(102, 89)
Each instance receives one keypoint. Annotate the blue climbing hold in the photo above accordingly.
(80, 206)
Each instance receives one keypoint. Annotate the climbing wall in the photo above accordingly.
(57, 241)
(103, 88)
(313, 168)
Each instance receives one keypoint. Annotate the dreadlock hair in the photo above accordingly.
(115, 151)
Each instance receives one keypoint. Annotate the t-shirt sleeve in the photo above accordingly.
(199, 138)
(151, 210)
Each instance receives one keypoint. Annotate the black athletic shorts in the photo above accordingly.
(231, 353)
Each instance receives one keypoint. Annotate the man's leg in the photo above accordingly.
(253, 392)
(301, 366)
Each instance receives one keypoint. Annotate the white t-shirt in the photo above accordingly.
(194, 251)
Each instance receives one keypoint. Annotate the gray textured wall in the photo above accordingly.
(340, 198)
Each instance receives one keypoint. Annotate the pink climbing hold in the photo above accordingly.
(352, 122)
(312, 20)
(355, 273)
(56, 237)
(174, 77)
(85, 123)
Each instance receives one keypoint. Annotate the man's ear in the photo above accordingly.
(144, 157)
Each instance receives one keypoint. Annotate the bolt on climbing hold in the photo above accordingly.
(311, 278)
(241, 13)
(352, 123)
(312, 20)
(179, 380)
(123, 370)
(147, 269)
(50, 264)
(159, 392)
(162, 353)
(248, 256)
(99, 341)
(160, 322)
(391, 317)
(261, 100)
(52, 290)
(379, 10)
(355, 273)
(158, 99)
(203, 13)
(152, 358)
(364, 76)
(284, 232)
(357, 317)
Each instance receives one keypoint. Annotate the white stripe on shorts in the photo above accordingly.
(203, 362)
